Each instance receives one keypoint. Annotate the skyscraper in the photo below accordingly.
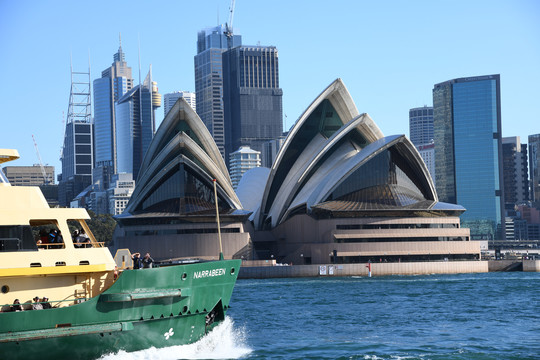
(515, 172)
(135, 125)
(211, 43)
(468, 151)
(115, 81)
(534, 168)
(252, 97)
(77, 153)
(170, 98)
(421, 125)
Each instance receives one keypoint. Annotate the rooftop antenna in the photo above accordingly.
(229, 25)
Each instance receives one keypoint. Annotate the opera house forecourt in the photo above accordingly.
(339, 193)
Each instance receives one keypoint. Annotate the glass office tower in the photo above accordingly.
(135, 125)
(115, 81)
(252, 97)
(468, 151)
(211, 43)
(534, 166)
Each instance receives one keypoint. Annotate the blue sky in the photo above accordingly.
(388, 53)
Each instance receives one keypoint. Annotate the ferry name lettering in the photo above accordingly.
(208, 273)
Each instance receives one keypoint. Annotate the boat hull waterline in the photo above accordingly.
(159, 307)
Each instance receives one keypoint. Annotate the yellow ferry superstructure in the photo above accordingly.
(62, 272)
(95, 311)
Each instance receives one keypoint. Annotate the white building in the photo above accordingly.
(427, 151)
(241, 161)
(120, 192)
(170, 98)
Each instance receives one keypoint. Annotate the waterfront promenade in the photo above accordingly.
(269, 269)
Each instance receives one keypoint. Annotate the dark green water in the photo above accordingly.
(467, 316)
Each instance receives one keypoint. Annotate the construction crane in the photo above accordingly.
(43, 172)
(229, 25)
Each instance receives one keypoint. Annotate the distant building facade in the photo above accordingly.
(119, 193)
(242, 160)
(252, 97)
(33, 176)
(211, 43)
(515, 171)
(29, 175)
(468, 151)
(421, 125)
(270, 150)
(534, 168)
(135, 125)
(427, 152)
(77, 152)
(170, 98)
(115, 81)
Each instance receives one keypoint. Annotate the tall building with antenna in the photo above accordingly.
(115, 81)
(211, 43)
(77, 153)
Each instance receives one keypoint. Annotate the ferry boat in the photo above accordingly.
(63, 299)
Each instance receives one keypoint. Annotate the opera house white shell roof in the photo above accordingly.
(336, 159)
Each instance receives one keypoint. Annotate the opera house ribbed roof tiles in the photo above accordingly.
(182, 140)
(336, 159)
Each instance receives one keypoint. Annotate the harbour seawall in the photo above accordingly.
(377, 269)
(531, 265)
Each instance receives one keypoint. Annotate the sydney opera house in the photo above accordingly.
(339, 192)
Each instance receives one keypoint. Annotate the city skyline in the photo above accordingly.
(370, 48)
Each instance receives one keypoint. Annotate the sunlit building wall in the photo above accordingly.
(211, 43)
(468, 151)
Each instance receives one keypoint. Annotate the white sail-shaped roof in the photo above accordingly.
(312, 136)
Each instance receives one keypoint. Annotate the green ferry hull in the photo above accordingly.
(159, 307)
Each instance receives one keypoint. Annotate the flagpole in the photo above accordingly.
(217, 218)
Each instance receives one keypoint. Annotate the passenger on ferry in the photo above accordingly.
(147, 261)
(59, 237)
(74, 237)
(136, 257)
(45, 303)
(52, 236)
(83, 240)
(16, 306)
(37, 305)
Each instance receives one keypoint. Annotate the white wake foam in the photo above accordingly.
(223, 342)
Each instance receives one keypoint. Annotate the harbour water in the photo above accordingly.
(464, 316)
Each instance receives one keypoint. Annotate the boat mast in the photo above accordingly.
(217, 218)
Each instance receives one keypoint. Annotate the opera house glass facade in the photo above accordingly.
(339, 191)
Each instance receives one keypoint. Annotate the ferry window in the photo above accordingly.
(46, 235)
(16, 238)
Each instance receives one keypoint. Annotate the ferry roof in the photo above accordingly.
(8, 155)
